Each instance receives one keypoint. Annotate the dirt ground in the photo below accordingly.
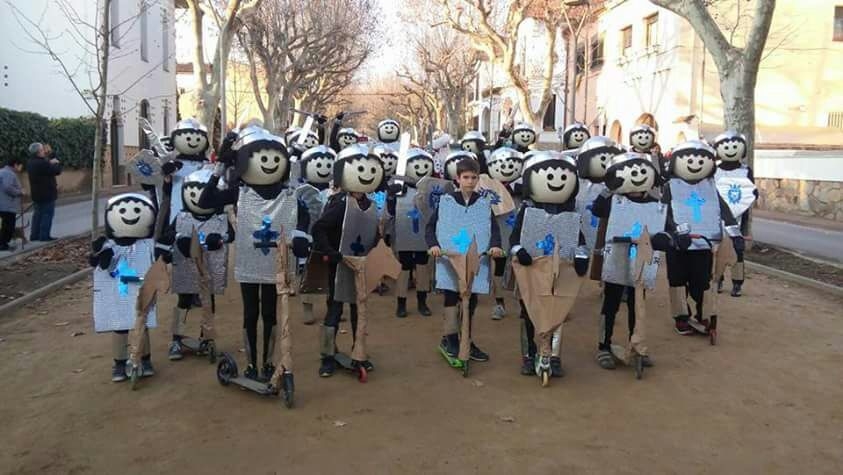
(767, 399)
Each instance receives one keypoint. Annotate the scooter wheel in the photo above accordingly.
(212, 352)
(134, 376)
(712, 336)
(639, 367)
(226, 369)
(545, 378)
(288, 389)
(362, 374)
(465, 369)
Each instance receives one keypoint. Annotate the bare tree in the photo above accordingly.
(307, 50)
(737, 57)
(87, 70)
(492, 28)
(228, 17)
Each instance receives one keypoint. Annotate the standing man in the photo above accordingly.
(10, 193)
(43, 167)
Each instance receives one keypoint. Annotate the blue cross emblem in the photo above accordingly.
(265, 234)
(546, 245)
(493, 195)
(357, 247)
(435, 194)
(202, 238)
(634, 233)
(415, 215)
(594, 221)
(123, 270)
(734, 194)
(144, 168)
(695, 202)
(462, 241)
(379, 197)
(510, 220)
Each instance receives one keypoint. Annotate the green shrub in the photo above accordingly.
(71, 138)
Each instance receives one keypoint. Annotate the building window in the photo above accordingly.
(165, 42)
(549, 121)
(626, 40)
(113, 22)
(838, 23)
(651, 24)
(596, 52)
(580, 59)
(144, 30)
(143, 142)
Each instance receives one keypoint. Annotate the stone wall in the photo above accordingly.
(821, 199)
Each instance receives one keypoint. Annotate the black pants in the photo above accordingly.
(692, 270)
(258, 299)
(531, 331)
(452, 299)
(410, 259)
(612, 294)
(7, 226)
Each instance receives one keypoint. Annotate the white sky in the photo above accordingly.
(387, 60)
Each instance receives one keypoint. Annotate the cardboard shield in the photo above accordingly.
(429, 191)
(199, 255)
(312, 199)
(497, 193)
(145, 168)
(737, 192)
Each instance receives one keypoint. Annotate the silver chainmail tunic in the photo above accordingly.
(256, 265)
(114, 300)
(359, 236)
(185, 275)
(697, 205)
(628, 219)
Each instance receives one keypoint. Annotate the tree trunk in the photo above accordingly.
(99, 150)
(282, 117)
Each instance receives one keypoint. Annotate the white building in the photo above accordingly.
(141, 76)
(504, 102)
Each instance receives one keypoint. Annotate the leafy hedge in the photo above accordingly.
(71, 138)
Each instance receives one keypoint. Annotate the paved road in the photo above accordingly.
(69, 220)
(816, 242)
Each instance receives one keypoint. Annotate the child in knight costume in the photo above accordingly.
(348, 226)
(504, 165)
(523, 137)
(120, 258)
(473, 141)
(642, 139)
(342, 137)
(631, 209)
(696, 218)
(462, 217)
(593, 158)
(736, 186)
(190, 143)
(214, 232)
(389, 133)
(548, 225)
(266, 205)
(406, 231)
(574, 136)
(316, 170)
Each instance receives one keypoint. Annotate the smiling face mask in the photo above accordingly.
(129, 216)
(361, 174)
(265, 166)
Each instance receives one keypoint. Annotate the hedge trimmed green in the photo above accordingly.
(72, 138)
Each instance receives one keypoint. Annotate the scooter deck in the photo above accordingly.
(252, 385)
(452, 362)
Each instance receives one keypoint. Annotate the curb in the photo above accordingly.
(69, 279)
(798, 279)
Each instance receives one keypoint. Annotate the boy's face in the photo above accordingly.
(468, 180)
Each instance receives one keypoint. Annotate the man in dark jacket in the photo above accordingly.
(42, 167)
